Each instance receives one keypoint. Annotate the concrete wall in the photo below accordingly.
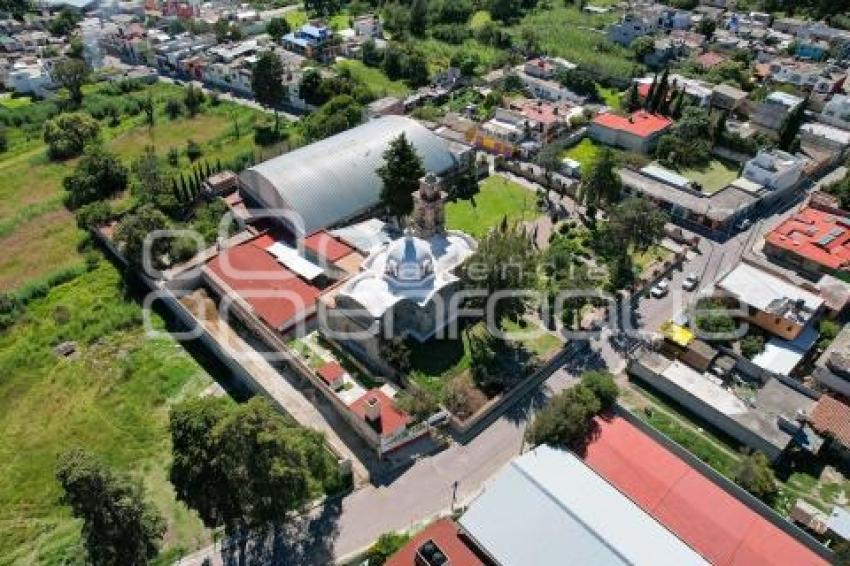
(704, 411)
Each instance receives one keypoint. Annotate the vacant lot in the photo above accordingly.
(713, 177)
(375, 79)
(498, 198)
(111, 397)
(584, 152)
(38, 235)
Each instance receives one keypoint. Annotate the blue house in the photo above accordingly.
(812, 50)
(311, 40)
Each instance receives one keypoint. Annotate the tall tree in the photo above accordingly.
(636, 222)
(193, 99)
(419, 17)
(119, 527)
(132, 230)
(505, 260)
(153, 186)
(66, 135)
(600, 183)
(661, 91)
(267, 82)
(277, 28)
(650, 96)
(98, 175)
(400, 176)
(245, 466)
(72, 74)
(565, 420)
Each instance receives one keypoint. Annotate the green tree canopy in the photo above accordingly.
(600, 183)
(267, 81)
(98, 175)
(66, 135)
(119, 527)
(245, 465)
(642, 46)
(72, 74)
(566, 419)
(400, 176)
(603, 386)
(637, 222)
(277, 28)
(756, 476)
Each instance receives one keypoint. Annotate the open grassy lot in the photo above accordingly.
(439, 53)
(375, 79)
(715, 176)
(15, 102)
(498, 198)
(111, 397)
(565, 31)
(584, 152)
(38, 234)
(610, 96)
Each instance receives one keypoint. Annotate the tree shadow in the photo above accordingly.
(306, 539)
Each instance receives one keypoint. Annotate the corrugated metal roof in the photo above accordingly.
(548, 508)
(335, 178)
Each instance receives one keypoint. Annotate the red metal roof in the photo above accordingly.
(392, 418)
(330, 372)
(832, 417)
(326, 246)
(818, 236)
(444, 533)
(712, 521)
(640, 123)
(277, 295)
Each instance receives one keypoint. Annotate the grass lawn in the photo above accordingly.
(479, 19)
(610, 96)
(584, 152)
(715, 176)
(539, 341)
(38, 234)
(375, 79)
(9, 101)
(439, 53)
(112, 397)
(497, 199)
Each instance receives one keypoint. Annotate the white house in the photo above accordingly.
(30, 78)
(630, 28)
(836, 112)
(774, 169)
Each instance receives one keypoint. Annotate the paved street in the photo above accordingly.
(432, 485)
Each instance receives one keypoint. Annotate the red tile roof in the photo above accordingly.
(326, 246)
(640, 123)
(815, 235)
(832, 417)
(711, 59)
(392, 418)
(444, 533)
(709, 519)
(330, 372)
(277, 295)
(543, 112)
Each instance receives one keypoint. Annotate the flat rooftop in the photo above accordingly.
(818, 236)
(711, 520)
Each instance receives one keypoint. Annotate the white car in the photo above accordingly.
(690, 282)
(660, 289)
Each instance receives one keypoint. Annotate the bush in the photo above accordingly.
(193, 150)
(67, 134)
(752, 345)
(386, 545)
(174, 108)
(756, 476)
(173, 157)
(94, 214)
(265, 133)
(566, 419)
(183, 248)
(603, 386)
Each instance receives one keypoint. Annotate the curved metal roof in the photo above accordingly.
(335, 178)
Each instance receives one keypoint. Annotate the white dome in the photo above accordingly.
(409, 259)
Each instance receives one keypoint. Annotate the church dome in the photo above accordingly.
(409, 259)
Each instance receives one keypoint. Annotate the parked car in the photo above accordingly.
(691, 281)
(660, 289)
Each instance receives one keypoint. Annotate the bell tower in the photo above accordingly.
(429, 204)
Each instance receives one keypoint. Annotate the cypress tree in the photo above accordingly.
(647, 102)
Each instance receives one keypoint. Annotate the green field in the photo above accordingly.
(111, 397)
(9, 101)
(584, 152)
(498, 198)
(566, 31)
(715, 176)
(38, 234)
(375, 79)
(610, 96)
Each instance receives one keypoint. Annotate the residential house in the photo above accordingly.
(726, 97)
(825, 137)
(312, 40)
(770, 115)
(368, 25)
(832, 371)
(814, 50)
(639, 131)
(837, 111)
(774, 169)
(774, 304)
(814, 241)
(711, 59)
(831, 417)
(30, 76)
(548, 119)
(630, 28)
(333, 374)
